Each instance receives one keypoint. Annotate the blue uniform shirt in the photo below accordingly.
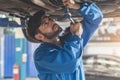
(54, 62)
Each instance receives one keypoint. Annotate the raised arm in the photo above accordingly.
(92, 17)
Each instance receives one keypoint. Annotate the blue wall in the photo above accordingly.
(21, 48)
(9, 55)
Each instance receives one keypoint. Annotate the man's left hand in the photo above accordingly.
(71, 4)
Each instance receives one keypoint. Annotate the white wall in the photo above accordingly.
(1, 52)
(103, 48)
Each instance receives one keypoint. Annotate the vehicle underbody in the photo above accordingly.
(54, 8)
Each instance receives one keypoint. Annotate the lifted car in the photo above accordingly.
(54, 8)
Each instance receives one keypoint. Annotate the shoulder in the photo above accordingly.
(40, 51)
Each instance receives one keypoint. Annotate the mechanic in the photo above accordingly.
(60, 58)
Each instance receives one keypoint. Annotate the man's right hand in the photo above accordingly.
(71, 4)
(76, 29)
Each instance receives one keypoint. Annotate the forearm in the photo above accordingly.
(88, 10)
(90, 13)
(92, 17)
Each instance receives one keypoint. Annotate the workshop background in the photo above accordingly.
(14, 48)
(101, 56)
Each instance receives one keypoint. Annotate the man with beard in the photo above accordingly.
(60, 58)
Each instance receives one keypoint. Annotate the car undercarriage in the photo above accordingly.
(54, 8)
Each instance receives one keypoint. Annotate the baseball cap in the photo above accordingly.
(33, 24)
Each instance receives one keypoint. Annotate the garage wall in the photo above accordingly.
(31, 70)
(9, 55)
(1, 51)
(103, 48)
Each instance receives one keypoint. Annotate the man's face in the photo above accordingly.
(49, 28)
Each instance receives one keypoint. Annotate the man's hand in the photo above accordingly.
(76, 29)
(71, 4)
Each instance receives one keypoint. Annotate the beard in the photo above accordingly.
(52, 35)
